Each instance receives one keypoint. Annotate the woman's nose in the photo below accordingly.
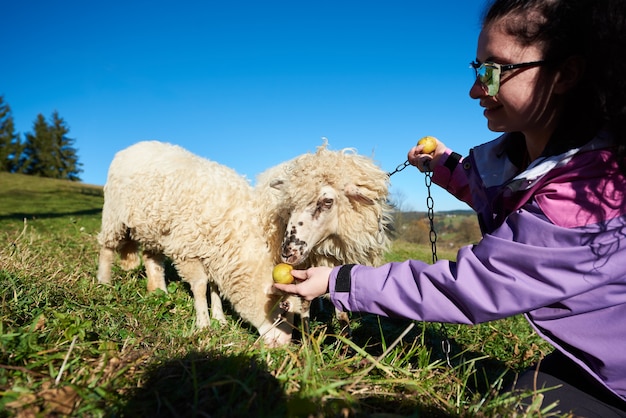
(477, 90)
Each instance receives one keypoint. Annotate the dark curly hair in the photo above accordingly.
(592, 29)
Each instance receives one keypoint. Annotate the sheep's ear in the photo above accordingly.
(277, 184)
(357, 193)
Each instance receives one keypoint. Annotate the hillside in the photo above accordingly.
(23, 196)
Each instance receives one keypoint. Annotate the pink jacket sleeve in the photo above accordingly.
(451, 175)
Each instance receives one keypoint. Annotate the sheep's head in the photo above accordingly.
(337, 209)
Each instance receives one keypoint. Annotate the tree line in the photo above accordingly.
(47, 151)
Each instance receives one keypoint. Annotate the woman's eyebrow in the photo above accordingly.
(489, 59)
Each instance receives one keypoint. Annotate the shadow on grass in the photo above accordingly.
(372, 329)
(203, 384)
(488, 371)
(213, 384)
(47, 215)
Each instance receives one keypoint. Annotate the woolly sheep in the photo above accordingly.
(327, 208)
(205, 217)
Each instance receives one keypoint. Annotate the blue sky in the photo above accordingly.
(249, 84)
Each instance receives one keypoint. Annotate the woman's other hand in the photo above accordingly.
(424, 161)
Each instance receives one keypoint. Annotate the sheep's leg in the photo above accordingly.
(155, 271)
(305, 316)
(192, 271)
(129, 254)
(105, 263)
(217, 312)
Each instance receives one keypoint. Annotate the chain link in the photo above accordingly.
(399, 168)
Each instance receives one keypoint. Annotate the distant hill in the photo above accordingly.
(23, 196)
(412, 215)
(22, 182)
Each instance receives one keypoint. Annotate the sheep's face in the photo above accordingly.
(328, 208)
(310, 225)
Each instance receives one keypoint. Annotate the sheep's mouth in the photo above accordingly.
(294, 252)
(294, 259)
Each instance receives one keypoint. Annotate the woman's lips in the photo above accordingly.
(490, 110)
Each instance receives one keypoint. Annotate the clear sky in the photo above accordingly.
(249, 84)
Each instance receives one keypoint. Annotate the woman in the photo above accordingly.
(550, 195)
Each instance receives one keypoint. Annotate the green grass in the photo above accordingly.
(70, 347)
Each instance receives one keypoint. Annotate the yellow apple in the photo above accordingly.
(282, 273)
(430, 144)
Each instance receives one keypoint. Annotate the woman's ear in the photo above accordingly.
(570, 73)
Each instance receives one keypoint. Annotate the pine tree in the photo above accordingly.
(10, 146)
(68, 165)
(36, 149)
(48, 152)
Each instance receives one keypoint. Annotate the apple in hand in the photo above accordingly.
(282, 273)
(429, 143)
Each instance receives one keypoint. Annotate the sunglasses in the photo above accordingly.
(488, 73)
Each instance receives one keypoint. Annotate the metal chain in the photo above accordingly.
(430, 205)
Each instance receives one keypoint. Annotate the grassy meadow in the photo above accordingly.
(70, 347)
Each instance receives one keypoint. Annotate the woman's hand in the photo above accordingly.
(309, 283)
(423, 161)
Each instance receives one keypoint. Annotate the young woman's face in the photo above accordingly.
(525, 101)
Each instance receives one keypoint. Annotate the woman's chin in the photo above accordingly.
(493, 123)
(495, 127)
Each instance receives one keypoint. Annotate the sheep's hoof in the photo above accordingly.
(219, 322)
(203, 322)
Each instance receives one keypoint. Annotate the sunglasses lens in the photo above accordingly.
(484, 74)
(489, 76)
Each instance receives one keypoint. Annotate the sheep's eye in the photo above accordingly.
(327, 203)
(323, 204)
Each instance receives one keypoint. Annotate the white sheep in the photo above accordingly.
(206, 218)
(327, 208)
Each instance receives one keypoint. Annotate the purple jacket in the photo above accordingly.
(553, 248)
